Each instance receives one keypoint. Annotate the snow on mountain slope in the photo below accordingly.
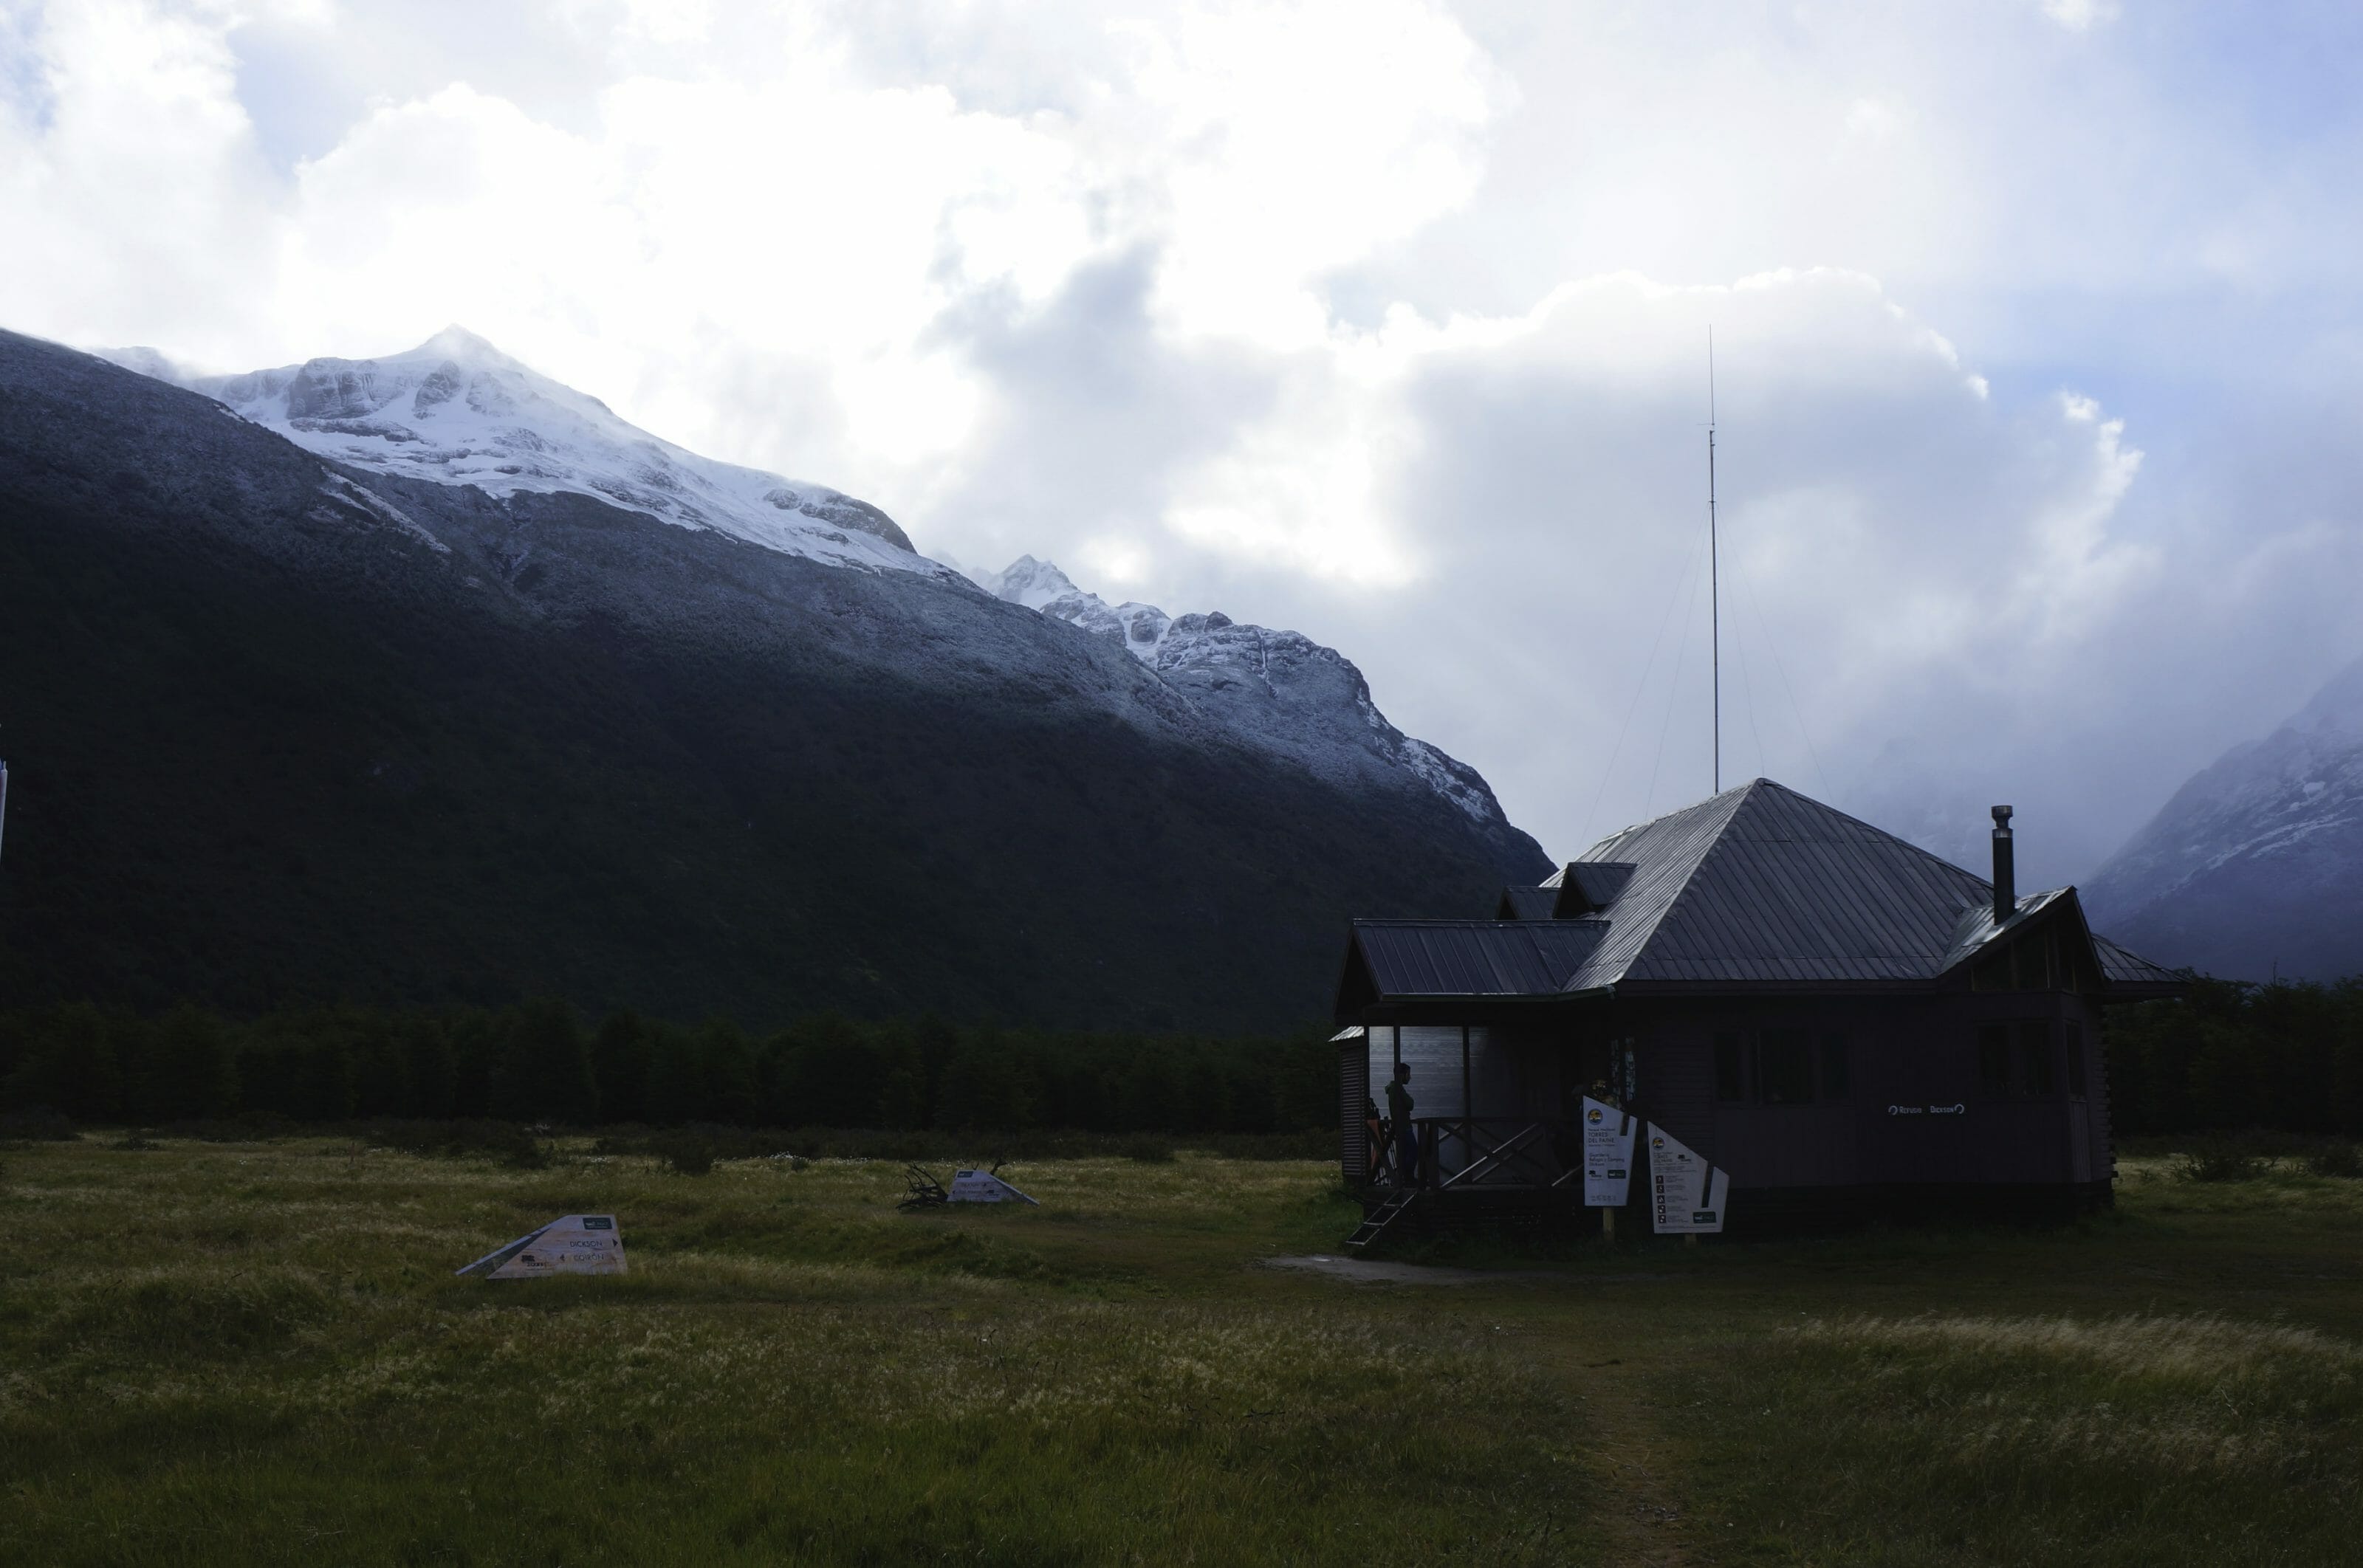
(2258, 859)
(455, 410)
(1292, 695)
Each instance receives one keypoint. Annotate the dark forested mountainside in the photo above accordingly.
(278, 734)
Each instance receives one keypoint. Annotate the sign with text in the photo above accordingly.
(578, 1243)
(1607, 1154)
(984, 1187)
(1686, 1194)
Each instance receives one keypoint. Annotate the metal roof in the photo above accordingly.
(1976, 927)
(1758, 884)
(1587, 885)
(1529, 903)
(1473, 957)
(1761, 883)
(2124, 968)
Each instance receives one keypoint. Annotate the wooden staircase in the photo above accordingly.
(1374, 1225)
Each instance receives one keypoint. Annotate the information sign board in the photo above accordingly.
(577, 1243)
(1686, 1194)
(984, 1187)
(1607, 1154)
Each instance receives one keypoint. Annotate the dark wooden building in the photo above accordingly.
(1850, 1026)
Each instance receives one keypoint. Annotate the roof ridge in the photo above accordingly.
(1874, 827)
(1646, 823)
(1746, 792)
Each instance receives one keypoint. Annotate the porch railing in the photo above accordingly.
(1468, 1151)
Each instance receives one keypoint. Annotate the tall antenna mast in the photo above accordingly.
(1714, 565)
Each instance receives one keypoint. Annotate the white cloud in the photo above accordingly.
(2080, 16)
(1383, 319)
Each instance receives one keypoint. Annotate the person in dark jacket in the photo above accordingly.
(1399, 1104)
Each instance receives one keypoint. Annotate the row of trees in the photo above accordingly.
(2286, 1057)
(541, 1062)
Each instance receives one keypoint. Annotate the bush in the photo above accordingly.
(2221, 1159)
(686, 1153)
(505, 1141)
(2336, 1157)
(37, 1125)
(1142, 1149)
(248, 1127)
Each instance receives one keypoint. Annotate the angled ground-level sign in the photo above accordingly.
(1686, 1194)
(984, 1187)
(576, 1243)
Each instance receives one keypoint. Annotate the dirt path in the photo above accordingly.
(1644, 1517)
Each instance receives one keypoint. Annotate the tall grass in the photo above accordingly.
(2134, 1439)
(256, 1353)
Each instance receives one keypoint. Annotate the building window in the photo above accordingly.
(2076, 1059)
(1838, 1082)
(1784, 1066)
(2036, 1076)
(1730, 1068)
(1993, 1059)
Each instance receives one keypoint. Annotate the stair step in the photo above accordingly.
(1375, 1225)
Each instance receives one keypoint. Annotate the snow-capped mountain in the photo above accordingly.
(458, 411)
(342, 718)
(1295, 694)
(2256, 865)
(455, 411)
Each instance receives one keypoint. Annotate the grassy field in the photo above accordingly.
(255, 1353)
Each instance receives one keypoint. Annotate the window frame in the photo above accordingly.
(1731, 1053)
(2037, 1052)
(1795, 1071)
(1994, 1043)
(1834, 1067)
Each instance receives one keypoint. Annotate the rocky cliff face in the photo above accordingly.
(1280, 691)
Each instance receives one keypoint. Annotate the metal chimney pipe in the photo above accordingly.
(2005, 875)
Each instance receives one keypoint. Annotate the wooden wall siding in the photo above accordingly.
(1434, 1052)
(1540, 1075)
(1497, 1084)
(2105, 1114)
(2101, 1158)
(1676, 1063)
(1353, 1108)
(1785, 1145)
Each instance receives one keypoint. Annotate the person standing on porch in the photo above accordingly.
(1399, 1104)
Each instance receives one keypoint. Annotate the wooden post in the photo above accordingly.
(1468, 1110)
(1608, 1226)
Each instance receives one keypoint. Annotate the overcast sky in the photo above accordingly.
(2036, 329)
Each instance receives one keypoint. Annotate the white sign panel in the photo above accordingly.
(1685, 1192)
(984, 1187)
(1607, 1154)
(578, 1243)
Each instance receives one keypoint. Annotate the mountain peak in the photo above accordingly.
(456, 342)
(457, 411)
(1301, 697)
(1029, 582)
